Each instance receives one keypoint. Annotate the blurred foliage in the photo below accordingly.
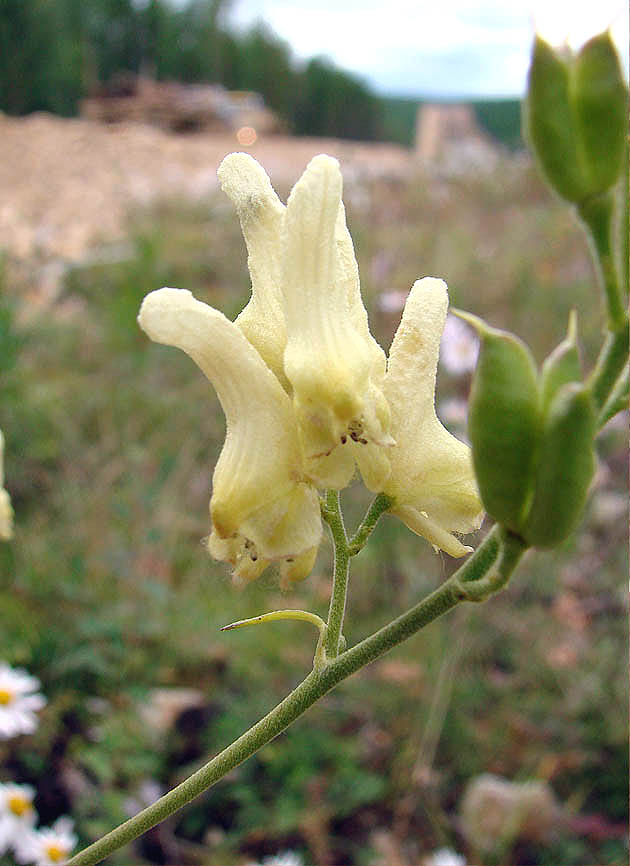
(98, 41)
(499, 118)
(107, 595)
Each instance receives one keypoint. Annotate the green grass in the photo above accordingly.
(107, 593)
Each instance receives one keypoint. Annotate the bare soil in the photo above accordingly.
(68, 183)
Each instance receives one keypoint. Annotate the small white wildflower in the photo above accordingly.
(17, 815)
(446, 857)
(454, 411)
(19, 701)
(459, 348)
(392, 300)
(6, 511)
(50, 846)
(286, 858)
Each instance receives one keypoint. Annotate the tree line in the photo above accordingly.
(55, 52)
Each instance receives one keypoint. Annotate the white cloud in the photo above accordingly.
(454, 47)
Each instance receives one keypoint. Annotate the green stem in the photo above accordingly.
(618, 400)
(598, 216)
(379, 506)
(465, 585)
(337, 609)
(611, 361)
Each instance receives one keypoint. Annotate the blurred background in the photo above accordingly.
(496, 736)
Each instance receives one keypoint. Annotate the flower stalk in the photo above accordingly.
(341, 571)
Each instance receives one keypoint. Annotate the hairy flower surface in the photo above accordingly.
(19, 701)
(17, 815)
(432, 481)
(262, 508)
(6, 511)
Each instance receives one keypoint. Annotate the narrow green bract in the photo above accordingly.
(561, 366)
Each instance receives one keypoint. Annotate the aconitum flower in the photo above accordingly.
(49, 846)
(19, 701)
(304, 387)
(17, 815)
(6, 511)
(459, 348)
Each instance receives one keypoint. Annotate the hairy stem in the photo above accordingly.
(337, 609)
(379, 506)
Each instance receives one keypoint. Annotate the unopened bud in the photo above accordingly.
(565, 467)
(503, 423)
(575, 117)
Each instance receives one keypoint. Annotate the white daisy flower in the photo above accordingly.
(446, 857)
(459, 348)
(17, 815)
(286, 858)
(19, 701)
(50, 846)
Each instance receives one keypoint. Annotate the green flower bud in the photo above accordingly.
(601, 98)
(549, 123)
(565, 467)
(574, 117)
(503, 423)
(561, 366)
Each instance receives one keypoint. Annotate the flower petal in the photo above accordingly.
(330, 356)
(431, 469)
(261, 214)
(259, 499)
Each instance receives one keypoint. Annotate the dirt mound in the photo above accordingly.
(65, 184)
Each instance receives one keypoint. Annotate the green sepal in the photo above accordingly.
(565, 468)
(601, 105)
(562, 366)
(503, 423)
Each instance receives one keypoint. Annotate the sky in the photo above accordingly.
(445, 48)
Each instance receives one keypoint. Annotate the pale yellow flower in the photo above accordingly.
(262, 507)
(6, 510)
(432, 480)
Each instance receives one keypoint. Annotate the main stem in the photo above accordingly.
(486, 571)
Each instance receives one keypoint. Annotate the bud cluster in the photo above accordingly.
(532, 435)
